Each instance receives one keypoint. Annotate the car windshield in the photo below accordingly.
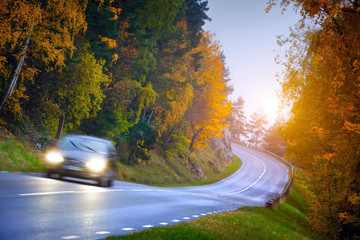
(71, 142)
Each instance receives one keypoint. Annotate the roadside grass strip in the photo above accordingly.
(287, 221)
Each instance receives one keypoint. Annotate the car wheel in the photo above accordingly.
(110, 183)
(49, 174)
(106, 180)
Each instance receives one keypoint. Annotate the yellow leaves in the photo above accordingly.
(325, 127)
(210, 107)
(328, 156)
(116, 12)
(179, 102)
(16, 19)
(354, 198)
(344, 216)
(353, 127)
(318, 131)
(13, 104)
(55, 25)
(3, 62)
(110, 42)
(146, 96)
(115, 57)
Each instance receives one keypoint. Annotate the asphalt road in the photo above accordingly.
(35, 207)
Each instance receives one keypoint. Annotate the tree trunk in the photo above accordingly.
(18, 69)
(191, 146)
(168, 135)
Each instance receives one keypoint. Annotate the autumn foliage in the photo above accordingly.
(138, 72)
(322, 83)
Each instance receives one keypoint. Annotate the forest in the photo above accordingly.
(141, 73)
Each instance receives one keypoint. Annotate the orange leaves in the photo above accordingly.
(325, 126)
(110, 42)
(55, 25)
(53, 38)
(210, 106)
(353, 127)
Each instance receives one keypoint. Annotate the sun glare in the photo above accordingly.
(271, 107)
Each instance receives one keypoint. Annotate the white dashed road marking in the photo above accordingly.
(102, 232)
(163, 223)
(70, 237)
(176, 220)
(127, 229)
(186, 218)
(147, 226)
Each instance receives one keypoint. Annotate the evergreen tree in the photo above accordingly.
(256, 127)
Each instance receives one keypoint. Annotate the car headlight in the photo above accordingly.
(54, 157)
(96, 164)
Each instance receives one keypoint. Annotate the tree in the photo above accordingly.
(273, 142)
(196, 17)
(237, 119)
(54, 23)
(256, 127)
(210, 107)
(322, 82)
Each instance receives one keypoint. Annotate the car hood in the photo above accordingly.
(80, 154)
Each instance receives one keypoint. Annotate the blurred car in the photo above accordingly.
(83, 156)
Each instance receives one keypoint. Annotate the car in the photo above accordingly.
(82, 156)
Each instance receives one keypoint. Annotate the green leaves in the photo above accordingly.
(82, 85)
(127, 70)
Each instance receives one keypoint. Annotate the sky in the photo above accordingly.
(248, 36)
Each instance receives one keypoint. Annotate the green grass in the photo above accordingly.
(233, 166)
(177, 172)
(287, 221)
(17, 155)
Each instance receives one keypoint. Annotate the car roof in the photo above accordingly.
(86, 137)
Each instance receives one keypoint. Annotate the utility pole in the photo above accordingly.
(60, 128)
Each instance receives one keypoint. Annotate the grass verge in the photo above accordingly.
(17, 155)
(287, 221)
(178, 172)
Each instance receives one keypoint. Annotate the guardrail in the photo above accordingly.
(272, 202)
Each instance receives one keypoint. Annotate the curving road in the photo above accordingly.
(34, 207)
